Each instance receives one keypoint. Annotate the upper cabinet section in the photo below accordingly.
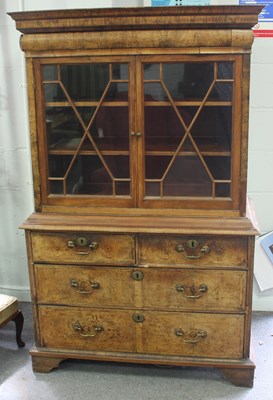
(149, 27)
(139, 108)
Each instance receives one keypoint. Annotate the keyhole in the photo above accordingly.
(137, 275)
(81, 241)
(138, 317)
(192, 244)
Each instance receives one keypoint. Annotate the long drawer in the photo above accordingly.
(198, 251)
(84, 249)
(188, 334)
(141, 287)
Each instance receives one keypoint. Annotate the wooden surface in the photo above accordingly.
(140, 224)
(133, 279)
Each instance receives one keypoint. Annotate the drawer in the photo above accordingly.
(200, 335)
(193, 251)
(141, 287)
(86, 329)
(83, 248)
(75, 285)
(186, 289)
(162, 333)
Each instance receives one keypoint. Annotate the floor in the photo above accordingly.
(77, 380)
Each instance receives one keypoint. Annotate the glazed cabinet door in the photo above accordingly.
(85, 117)
(189, 108)
(140, 131)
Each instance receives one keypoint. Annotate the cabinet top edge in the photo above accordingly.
(187, 17)
(142, 224)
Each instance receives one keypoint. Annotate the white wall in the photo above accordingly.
(16, 201)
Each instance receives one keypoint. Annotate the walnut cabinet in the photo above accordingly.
(141, 244)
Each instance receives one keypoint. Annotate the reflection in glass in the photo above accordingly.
(187, 177)
(120, 71)
(117, 92)
(155, 166)
(53, 92)
(111, 128)
(220, 167)
(222, 190)
(154, 91)
(50, 72)
(224, 70)
(88, 175)
(85, 81)
(221, 91)
(213, 127)
(163, 128)
(58, 165)
(151, 72)
(188, 80)
(63, 128)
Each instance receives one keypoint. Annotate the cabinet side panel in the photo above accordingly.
(245, 117)
(33, 132)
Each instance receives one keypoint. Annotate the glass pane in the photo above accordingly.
(85, 81)
(187, 177)
(213, 128)
(163, 129)
(151, 72)
(58, 165)
(111, 128)
(225, 70)
(152, 189)
(119, 166)
(154, 92)
(219, 167)
(188, 80)
(155, 166)
(117, 92)
(53, 92)
(222, 190)
(89, 176)
(120, 71)
(63, 128)
(123, 188)
(221, 91)
(55, 187)
(86, 114)
(50, 72)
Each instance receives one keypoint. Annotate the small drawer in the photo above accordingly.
(75, 285)
(184, 289)
(193, 251)
(83, 248)
(188, 334)
(86, 329)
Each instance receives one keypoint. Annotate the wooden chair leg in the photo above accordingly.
(19, 322)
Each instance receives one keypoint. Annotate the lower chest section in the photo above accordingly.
(171, 295)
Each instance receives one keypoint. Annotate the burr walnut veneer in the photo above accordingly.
(141, 245)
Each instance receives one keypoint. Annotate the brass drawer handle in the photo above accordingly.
(194, 292)
(192, 337)
(180, 249)
(82, 243)
(86, 331)
(81, 287)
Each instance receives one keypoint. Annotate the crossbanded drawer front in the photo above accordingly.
(210, 290)
(144, 332)
(86, 329)
(101, 286)
(196, 251)
(83, 248)
(188, 334)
